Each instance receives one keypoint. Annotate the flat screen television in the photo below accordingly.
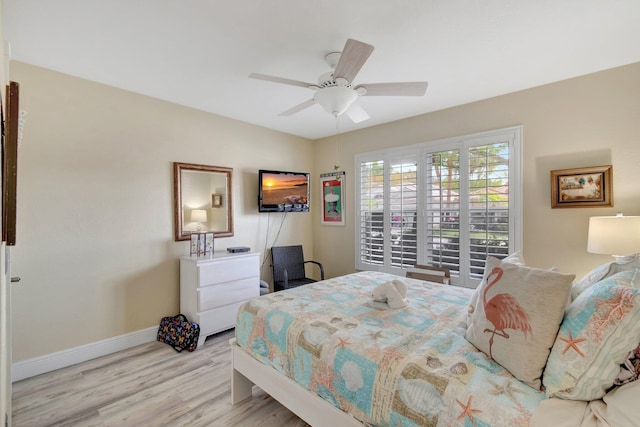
(281, 191)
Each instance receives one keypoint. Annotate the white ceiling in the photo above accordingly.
(199, 53)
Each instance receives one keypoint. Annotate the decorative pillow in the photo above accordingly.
(599, 329)
(606, 270)
(514, 258)
(517, 316)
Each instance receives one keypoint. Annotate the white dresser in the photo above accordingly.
(212, 288)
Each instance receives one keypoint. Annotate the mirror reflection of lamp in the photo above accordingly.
(199, 216)
(618, 235)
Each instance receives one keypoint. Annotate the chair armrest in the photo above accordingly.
(321, 268)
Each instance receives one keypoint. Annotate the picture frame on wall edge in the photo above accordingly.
(582, 187)
(332, 196)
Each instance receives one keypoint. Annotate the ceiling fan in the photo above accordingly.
(335, 90)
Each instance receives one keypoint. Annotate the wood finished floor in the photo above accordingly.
(148, 385)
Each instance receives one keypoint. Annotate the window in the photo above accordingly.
(449, 203)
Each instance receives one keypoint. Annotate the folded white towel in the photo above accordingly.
(393, 293)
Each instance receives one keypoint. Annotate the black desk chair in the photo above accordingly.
(288, 267)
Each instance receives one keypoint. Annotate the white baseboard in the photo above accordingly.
(61, 359)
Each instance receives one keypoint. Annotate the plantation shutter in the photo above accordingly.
(488, 204)
(449, 203)
(443, 209)
(371, 212)
(403, 202)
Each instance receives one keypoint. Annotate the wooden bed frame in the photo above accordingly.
(246, 371)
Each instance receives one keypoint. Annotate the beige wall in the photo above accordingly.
(95, 239)
(586, 121)
(95, 246)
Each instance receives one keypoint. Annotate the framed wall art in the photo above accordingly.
(208, 245)
(216, 200)
(201, 243)
(582, 187)
(332, 187)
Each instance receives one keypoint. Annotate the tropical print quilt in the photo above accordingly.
(409, 366)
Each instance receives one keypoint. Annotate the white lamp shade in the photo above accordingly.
(198, 215)
(614, 235)
(335, 99)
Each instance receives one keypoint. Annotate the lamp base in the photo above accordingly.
(623, 259)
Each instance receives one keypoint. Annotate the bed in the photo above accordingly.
(334, 356)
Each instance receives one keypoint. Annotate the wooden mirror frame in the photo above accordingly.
(227, 202)
(10, 163)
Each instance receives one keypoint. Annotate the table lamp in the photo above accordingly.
(618, 235)
(199, 216)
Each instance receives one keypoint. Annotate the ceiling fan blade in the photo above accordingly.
(299, 107)
(394, 89)
(282, 80)
(357, 114)
(353, 57)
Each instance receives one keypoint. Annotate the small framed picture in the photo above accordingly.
(201, 243)
(582, 187)
(332, 196)
(195, 244)
(208, 246)
(216, 200)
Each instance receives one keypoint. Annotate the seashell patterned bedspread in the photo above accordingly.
(387, 367)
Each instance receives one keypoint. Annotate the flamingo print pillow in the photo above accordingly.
(514, 258)
(517, 316)
(600, 328)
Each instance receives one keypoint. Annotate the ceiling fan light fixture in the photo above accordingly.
(335, 99)
(335, 90)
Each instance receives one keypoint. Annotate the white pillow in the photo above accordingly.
(515, 258)
(622, 405)
(606, 270)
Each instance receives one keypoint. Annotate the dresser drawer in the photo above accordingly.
(227, 293)
(230, 269)
(218, 319)
(212, 288)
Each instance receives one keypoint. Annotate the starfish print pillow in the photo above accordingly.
(600, 327)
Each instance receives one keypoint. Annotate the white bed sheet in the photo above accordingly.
(619, 408)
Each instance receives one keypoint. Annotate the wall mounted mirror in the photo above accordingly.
(202, 200)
